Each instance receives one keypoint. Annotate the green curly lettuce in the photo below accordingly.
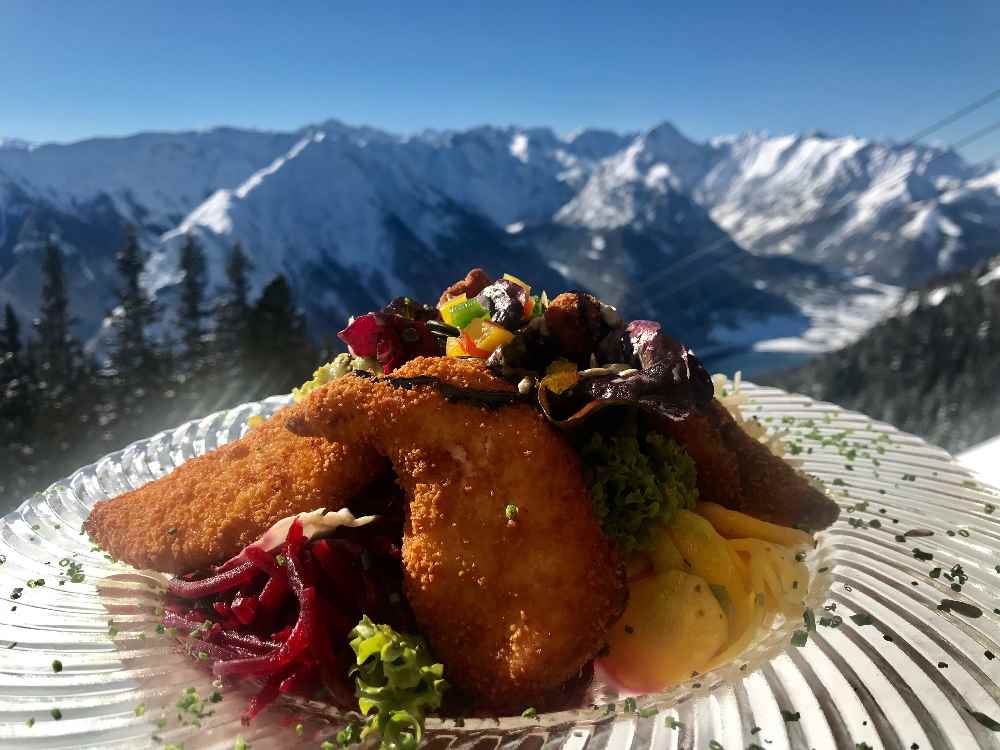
(397, 684)
(336, 368)
(637, 481)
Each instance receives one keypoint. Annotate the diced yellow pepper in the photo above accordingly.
(445, 309)
(490, 335)
(453, 347)
(560, 381)
(560, 365)
(518, 282)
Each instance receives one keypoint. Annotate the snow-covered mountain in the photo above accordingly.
(733, 241)
(928, 367)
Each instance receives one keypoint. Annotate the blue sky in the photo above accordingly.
(876, 69)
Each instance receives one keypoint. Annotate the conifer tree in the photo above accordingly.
(233, 312)
(238, 266)
(279, 348)
(139, 394)
(10, 339)
(133, 355)
(56, 348)
(15, 374)
(192, 305)
(16, 410)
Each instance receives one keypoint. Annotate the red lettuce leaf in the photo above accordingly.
(390, 339)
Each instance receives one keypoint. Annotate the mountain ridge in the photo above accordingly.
(927, 368)
(357, 199)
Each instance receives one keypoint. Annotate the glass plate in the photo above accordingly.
(917, 676)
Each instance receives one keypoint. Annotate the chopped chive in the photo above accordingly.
(809, 618)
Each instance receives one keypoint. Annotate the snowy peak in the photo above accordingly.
(353, 214)
(14, 144)
(153, 178)
(596, 144)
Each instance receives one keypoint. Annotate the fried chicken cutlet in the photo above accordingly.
(505, 566)
(211, 506)
(740, 473)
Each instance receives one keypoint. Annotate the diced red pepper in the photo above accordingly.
(469, 344)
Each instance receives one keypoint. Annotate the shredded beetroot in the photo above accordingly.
(282, 617)
(301, 678)
(216, 584)
(244, 608)
(253, 645)
(260, 701)
(262, 559)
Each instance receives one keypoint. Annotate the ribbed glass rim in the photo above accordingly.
(880, 683)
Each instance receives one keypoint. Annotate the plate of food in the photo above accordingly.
(505, 519)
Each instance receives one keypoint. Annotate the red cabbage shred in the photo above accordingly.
(283, 617)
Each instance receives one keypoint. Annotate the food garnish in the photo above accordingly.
(397, 684)
(388, 338)
(637, 481)
(339, 366)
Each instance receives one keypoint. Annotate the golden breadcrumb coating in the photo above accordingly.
(576, 322)
(506, 568)
(740, 473)
(211, 506)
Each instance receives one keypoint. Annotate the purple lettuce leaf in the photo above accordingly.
(667, 379)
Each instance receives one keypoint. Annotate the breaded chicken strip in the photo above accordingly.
(211, 506)
(506, 568)
(739, 472)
